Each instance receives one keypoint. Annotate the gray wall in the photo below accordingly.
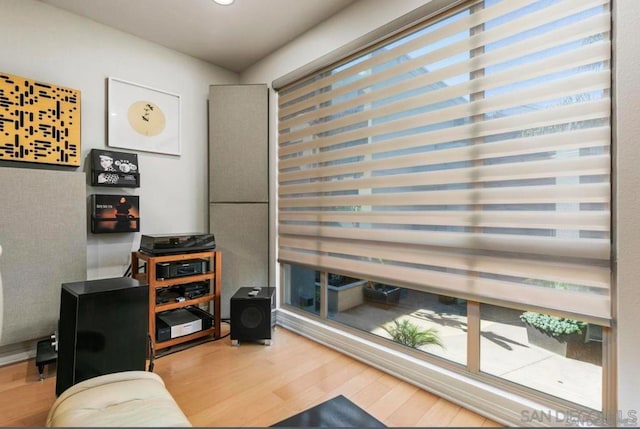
(43, 237)
(47, 44)
(238, 146)
(242, 233)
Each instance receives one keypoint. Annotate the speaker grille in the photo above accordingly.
(251, 317)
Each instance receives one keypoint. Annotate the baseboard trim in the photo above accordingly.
(18, 352)
(491, 402)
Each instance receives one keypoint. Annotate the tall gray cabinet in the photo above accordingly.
(239, 185)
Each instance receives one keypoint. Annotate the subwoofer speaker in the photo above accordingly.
(251, 315)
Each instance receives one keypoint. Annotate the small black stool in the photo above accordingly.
(45, 354)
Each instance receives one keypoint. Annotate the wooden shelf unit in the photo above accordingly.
(149, 276)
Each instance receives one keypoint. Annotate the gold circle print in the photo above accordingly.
(146, 118)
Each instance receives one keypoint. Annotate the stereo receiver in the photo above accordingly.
(183, 321)
(170, 270)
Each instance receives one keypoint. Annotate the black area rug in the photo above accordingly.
(338, 412)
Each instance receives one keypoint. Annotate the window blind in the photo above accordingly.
(469, 156)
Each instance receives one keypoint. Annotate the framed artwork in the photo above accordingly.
(115, 213)
(111, 168)
(143, 118)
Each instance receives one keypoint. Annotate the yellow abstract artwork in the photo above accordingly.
(39, 122)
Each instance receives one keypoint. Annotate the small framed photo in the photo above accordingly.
(115, 213)
(110, 168)
(143, 118)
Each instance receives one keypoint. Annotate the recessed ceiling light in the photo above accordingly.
(224, 2)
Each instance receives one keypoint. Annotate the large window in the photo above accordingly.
(468, 157)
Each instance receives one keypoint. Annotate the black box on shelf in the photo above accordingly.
(170, 270)
(194, 290)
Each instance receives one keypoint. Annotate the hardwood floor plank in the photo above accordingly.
(357, 383)
(413, 409)
(254, 385)
(311, 378)
(376, 390)
(271, 416)
(393, 400)
(23, 402)
(349, 368)
(466, 418)
(441, 413)
(12, 376)
(233, 411)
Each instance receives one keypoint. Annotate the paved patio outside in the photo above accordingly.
(505, 350)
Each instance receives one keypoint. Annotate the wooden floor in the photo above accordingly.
(217, 384)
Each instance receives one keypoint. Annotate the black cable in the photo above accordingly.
(152, 353)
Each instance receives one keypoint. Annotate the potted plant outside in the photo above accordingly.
(410, 335)
(562, 336)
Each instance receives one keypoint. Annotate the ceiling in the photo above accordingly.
(233, 37)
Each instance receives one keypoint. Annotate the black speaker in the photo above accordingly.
(102, 329)
(251, 314)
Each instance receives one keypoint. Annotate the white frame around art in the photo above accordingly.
(121, 95)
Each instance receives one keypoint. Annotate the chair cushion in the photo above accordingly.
(130, 398)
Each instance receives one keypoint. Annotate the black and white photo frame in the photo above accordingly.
(114, 169)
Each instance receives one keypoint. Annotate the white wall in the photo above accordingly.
(627, 195)
(359, 19)
(44, 43)
(351, 24)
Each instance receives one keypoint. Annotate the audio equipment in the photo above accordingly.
(251, 314)
(176, 243)
(194, 290)
(181, 292)
(170, 270)
(102, 329)
(183, 321)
